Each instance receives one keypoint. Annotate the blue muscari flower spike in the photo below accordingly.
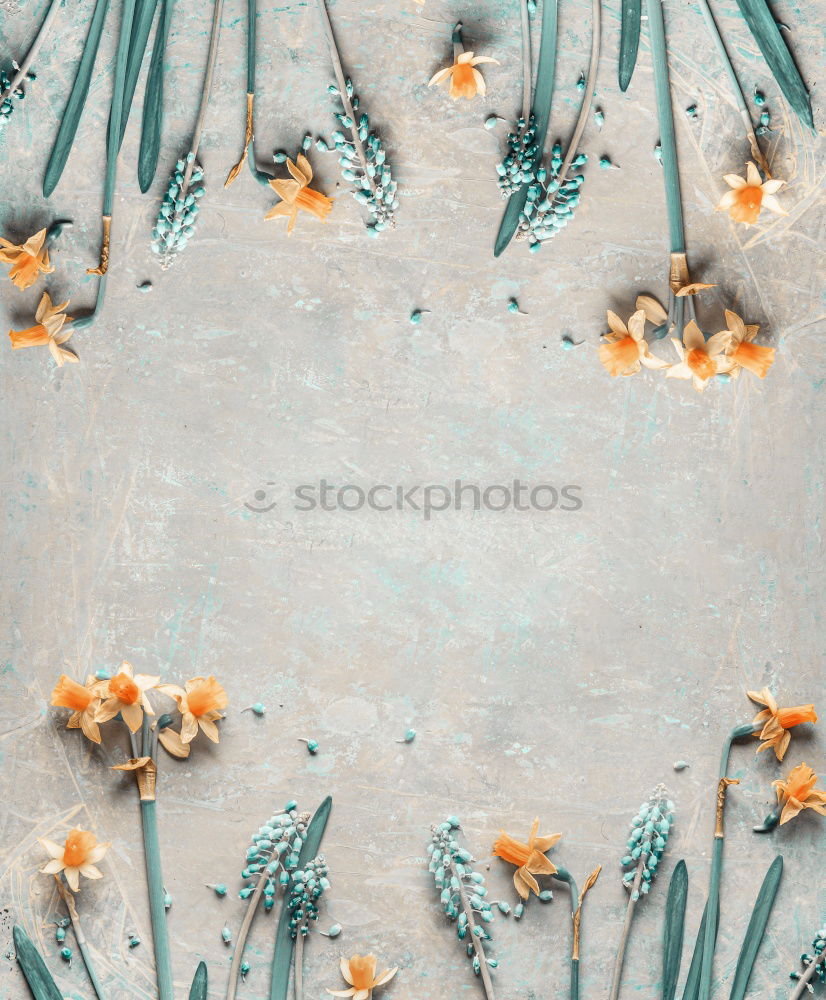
(178, 213)
(647, 840)
(273, 853)
(8, 103)
(462, 893)
(307, 886)
(814, 964)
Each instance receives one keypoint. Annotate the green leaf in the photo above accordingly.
(766, 33)
(34, 968)
(542, 96)
(691, 990)
(141, 26)
(284, 944)
(153, 103)
(756, 929)
(77, 100)
(198, 990)
(629, 41)
(674, 929)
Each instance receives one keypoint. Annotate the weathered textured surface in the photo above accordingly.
(554, 664)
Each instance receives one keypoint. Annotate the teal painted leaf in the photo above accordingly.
(153, 103)
(541, 109)
(766, 33)
(34, 968)
(756, 929)
(141, 26)
(674, 929)
(691, 990)
(284, 944)
(198, 990)
(629, 40)
(77, 100)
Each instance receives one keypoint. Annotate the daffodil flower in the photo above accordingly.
(84, 702)
(700, 359)
(626, 347)
(126, 693)
(465, 80)
(748, 195)
(28, 260)
(78, 856)
(200, 703)
(778, 721)
(797, 792)
(529, 858)
(360, 972)
(48, 330)
(297, 194)
(741, 350)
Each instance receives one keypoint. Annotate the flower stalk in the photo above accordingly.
(82, 944)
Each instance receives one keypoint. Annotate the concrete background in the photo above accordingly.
(554, 664)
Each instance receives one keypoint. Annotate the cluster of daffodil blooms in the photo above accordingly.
(126, 694)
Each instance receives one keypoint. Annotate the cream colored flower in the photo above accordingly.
(48, 330)
(798, 792)
(465, 79)
(200, 703)
(297, 194)
(83, 700)
(126, 693)
(742, 352)
(77, 857)
(529, 858)
(360, 972)
(749, 194)
(700, 359)
(778, 721)
(28, 260)
(626, 347)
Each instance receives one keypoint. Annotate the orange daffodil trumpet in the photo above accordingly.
(742, 352)
(465, 80)
(296, 194)
(700, 359)
(797, 792)
(360, 972)
(47, 331)
(777, 722)
(625, 348)
(78, 856)
(750, 194)
(83, 700)
(28, 260)
(529, 858)
(126, 693)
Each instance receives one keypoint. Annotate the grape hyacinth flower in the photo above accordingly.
(9, 96)
(307, 887)
(646, 844)
(815, 966)
(178, 213)
(462, 894)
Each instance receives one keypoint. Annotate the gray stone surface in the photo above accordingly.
(553, 663)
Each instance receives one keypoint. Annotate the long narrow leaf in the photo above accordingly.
(766, 33)
(674, 929)
(198, 990)
(77, 100)
(629, 41)
(141, 26)
(153, 102)
(756, 929)
(284, 943)
(691, 990)
(34, 968)
(542, 97)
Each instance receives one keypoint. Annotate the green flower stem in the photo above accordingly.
(771, 821)
(713, 901)
(252, 16)
(154, 879)
(34, 48)
(527, 58)
(80, 937)
(456, 39)
(633, 899)
(588, 96)
(563, 875)
(736, 89)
